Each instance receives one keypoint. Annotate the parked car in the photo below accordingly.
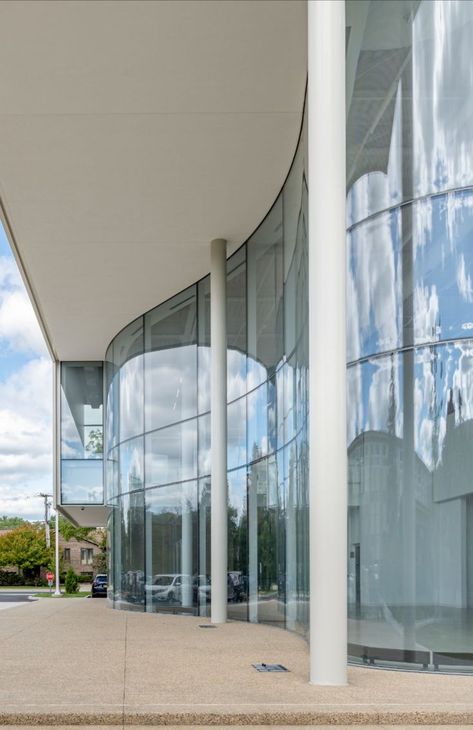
(168, 587)
(205, 591)
(99, 586)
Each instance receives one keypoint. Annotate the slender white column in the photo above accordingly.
(57, 591)
(218, 421)
(328, 455)
(56, 467)
(186, 551)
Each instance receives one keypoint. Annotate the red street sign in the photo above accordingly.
(49, 576)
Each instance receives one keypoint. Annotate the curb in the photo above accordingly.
(242, 719)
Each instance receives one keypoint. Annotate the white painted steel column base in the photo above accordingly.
(327, 332)
(218, 429)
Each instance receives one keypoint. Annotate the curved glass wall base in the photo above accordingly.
(410, 298)
(157, 435)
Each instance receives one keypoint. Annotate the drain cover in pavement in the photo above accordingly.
(207, 626)
(270, 668)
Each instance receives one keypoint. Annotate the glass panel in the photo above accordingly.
(171, 361)
(131, 465)
(204, 445)
(129, 541)
(171, 526)
(261, 421)
(81, 410)
(237, 545)
(171, 454)
(112, 474)
(203, 578)
(112, 377)
(236, 434)
(265, 298)
(443, 293)
(81, 481)
(409, 102)
(236, 327)
(374, 286)
(128, 356)
(204, 345)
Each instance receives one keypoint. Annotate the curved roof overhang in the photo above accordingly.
(131, 134)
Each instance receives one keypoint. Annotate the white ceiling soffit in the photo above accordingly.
(86, 516)
(131, 134)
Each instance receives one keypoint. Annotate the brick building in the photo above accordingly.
(78, 554)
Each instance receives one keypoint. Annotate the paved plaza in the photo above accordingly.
(75, 661)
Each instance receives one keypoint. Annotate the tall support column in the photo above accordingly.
(327, 328)
(218, 421)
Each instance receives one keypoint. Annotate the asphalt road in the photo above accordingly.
(10, 599)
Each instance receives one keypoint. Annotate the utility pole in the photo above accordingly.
(47, 505)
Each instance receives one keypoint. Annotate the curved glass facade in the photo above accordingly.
(157, 428)
(410, 314)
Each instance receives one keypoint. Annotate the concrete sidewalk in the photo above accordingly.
(75, 661)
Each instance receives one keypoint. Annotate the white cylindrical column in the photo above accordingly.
(186, 550)
(57, 592)
(327, 362)
(218, 421)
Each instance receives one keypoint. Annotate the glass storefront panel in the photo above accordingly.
(261, 415)
(131, 465)
(265, 298)
(203, 329)
(237, 545)
(172, 555)
(171, 454)
(204, 566)
(443, 266)
(204, 457)
(171, 361)
(236, 434)
(129, 542)
(128, 359)
(236, 325)
(410, 273)
(374, 286)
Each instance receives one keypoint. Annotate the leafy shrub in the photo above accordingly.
(8, 578)
(85, 578)
(72, 582)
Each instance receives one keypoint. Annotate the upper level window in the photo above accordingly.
(81, 433)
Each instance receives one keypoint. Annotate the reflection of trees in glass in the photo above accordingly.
(95, 441)
(237, 540)
(267, 541)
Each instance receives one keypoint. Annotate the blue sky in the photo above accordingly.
(25, 397)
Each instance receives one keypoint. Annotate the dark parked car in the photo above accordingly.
(99, 587)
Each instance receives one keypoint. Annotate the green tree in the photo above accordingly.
(68, 530)
(72, 582)
(99, 563)
(25, 548)
(8, 523)
(95, 442)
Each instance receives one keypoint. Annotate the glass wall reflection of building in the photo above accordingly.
(410, 377)
(157, 445)
(410, 292)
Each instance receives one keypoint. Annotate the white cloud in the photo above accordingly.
(19, 328)
(464, 283)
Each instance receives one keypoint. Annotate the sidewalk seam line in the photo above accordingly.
(124, 671)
